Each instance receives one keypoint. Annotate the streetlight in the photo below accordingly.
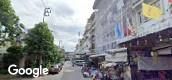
(47, 12)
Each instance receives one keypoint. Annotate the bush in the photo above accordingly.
(15, 53)
(3, 71)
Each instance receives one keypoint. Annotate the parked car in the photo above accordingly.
(54, 69)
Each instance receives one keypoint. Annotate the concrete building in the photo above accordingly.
(89, 34)
(87, 43)
(121, 24)
(129, 15)
(104, 25)
(80, 47)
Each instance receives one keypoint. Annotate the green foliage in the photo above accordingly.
(7, 14)
(15, 53)
(55, 56)
(40, 42)
(3, 71)
(40, 39)
(9, 22)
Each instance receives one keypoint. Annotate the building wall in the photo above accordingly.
(145, 26)
(86, 44)
(111, 12)
(104, 27)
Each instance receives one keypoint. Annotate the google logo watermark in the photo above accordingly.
(12, 69)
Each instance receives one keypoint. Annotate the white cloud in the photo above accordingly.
(68, 17)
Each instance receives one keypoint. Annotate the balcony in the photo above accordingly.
(154, 26)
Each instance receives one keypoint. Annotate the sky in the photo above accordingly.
(66, 20)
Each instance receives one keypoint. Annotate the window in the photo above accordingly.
(111, 45)
(142, 19)
(111, 34)
(104, 48)
(135, 1)
(114, 45)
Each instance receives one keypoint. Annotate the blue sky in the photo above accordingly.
(68, 17)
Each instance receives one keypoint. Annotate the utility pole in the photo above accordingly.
(46, 13)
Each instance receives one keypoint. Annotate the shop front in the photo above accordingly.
(119, 56)
(149, 57)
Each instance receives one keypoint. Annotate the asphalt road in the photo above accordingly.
(72, 73)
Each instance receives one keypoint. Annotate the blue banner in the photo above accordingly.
(118, 31)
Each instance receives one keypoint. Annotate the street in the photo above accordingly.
(72, 73)
(68, 73)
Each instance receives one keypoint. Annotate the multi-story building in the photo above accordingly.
(87, 43)
(121, 24)
(105, 17)
(89, 34)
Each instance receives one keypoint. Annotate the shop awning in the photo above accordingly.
(117, 50)
(97, 55)
(159, 63)
(117, 57)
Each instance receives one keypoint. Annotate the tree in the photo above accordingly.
(9, 22)
(61, 54)
(40, 43)
(15, 53)
(57, 54)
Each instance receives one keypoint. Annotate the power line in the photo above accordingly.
(47, 10)
(43, 3)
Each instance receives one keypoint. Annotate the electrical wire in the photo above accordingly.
(43, 3)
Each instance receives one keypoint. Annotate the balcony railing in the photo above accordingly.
(154, 26)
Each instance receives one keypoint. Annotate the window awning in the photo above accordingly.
(160, 63)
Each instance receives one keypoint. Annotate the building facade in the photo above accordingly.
(121, 24)
(104, 25)
(120, 27)
(87, 43)
(118, 21)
